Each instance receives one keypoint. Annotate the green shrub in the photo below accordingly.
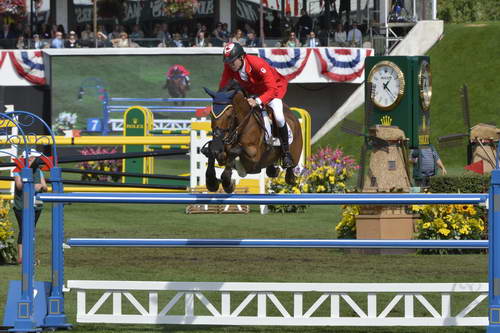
(460, 184)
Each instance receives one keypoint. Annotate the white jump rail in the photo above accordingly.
(331, 304)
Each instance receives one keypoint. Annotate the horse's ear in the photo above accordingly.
(230, 94)
(210, 92)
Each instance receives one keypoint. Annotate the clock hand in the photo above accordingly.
(390, 93)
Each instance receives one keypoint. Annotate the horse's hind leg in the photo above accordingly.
(290, 176)
(227, 182)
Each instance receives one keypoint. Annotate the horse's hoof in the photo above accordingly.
(272, 171)
(213, 185)
(290, 177)
(229, 188)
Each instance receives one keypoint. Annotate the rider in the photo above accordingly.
(178, 70)
(258, 78)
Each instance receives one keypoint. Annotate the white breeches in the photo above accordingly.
(277, 106)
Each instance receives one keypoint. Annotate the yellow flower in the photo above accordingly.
(320, 188)
(444, 231)
(331, 179)
(426, 225)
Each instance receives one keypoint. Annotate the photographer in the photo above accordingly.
(40, 186)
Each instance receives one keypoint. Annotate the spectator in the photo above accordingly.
(339, 36)
(38, 43)
(45, 32)
(87, 34)
(53, 31)
(164, 34)
(238, 37)
(137, 33)
(292, 40)
(185, 36)
(60, 28)
(225, 31)
(304, 25)
(354, 36)
(72, 41)
(7, 36)
(200, 40)
(21, 43)
(177, 42)
(123, 41)
(312, 41)
(40, 186)
(425, 162)
(252, 40)
(115, 33)
(102, 40)
(219, 39)
(57, 42)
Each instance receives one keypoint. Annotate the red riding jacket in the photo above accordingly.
(263, 79)
(177, 68)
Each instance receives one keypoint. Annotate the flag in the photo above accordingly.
(29, 65)
(477, 167)
(342, 64)
(289, 62)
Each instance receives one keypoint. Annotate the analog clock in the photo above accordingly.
(425, 85)
(388, 85)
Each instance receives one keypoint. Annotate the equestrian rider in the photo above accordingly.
(258, 78)
(178, 70)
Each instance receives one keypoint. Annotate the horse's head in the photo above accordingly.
(223, 119)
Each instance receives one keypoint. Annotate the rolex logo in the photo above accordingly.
(386, 121)
(135, 121)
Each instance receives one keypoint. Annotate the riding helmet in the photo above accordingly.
(232, 51)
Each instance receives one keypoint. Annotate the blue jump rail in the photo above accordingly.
(157, 107)
(265, 199)
(125, 99)
(279, 243)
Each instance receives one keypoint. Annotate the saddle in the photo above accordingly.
(275, 140)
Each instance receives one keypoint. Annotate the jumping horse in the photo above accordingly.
(239, 140)
(177, 86)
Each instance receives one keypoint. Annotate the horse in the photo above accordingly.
(176, 86)
(239, 141)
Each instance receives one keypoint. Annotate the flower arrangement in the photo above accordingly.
(326, 172)
(346, 228)
(8, 250)
(278, 185)
(181, 8)
(105, 165)
(13, 8)
(64, 121)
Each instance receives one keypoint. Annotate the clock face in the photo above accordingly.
(425, 84)
(388, 85)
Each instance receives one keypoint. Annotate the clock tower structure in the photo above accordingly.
(401, 92)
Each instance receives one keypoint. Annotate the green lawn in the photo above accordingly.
(237, 265)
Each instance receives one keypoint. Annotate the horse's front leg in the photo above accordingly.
(211, 178)
(226, 177)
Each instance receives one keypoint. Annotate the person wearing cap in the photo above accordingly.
(72, 41)
(40, 186)
(258, 78)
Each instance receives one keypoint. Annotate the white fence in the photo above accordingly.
(331, 304)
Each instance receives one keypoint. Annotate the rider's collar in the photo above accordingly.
(218, 109)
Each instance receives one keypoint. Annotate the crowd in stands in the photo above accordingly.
(302, 34)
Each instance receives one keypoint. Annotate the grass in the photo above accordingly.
(463, 56)
(237, 265)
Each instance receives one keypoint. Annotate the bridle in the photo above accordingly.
(230, 135)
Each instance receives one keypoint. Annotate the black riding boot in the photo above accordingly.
(286, 156)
